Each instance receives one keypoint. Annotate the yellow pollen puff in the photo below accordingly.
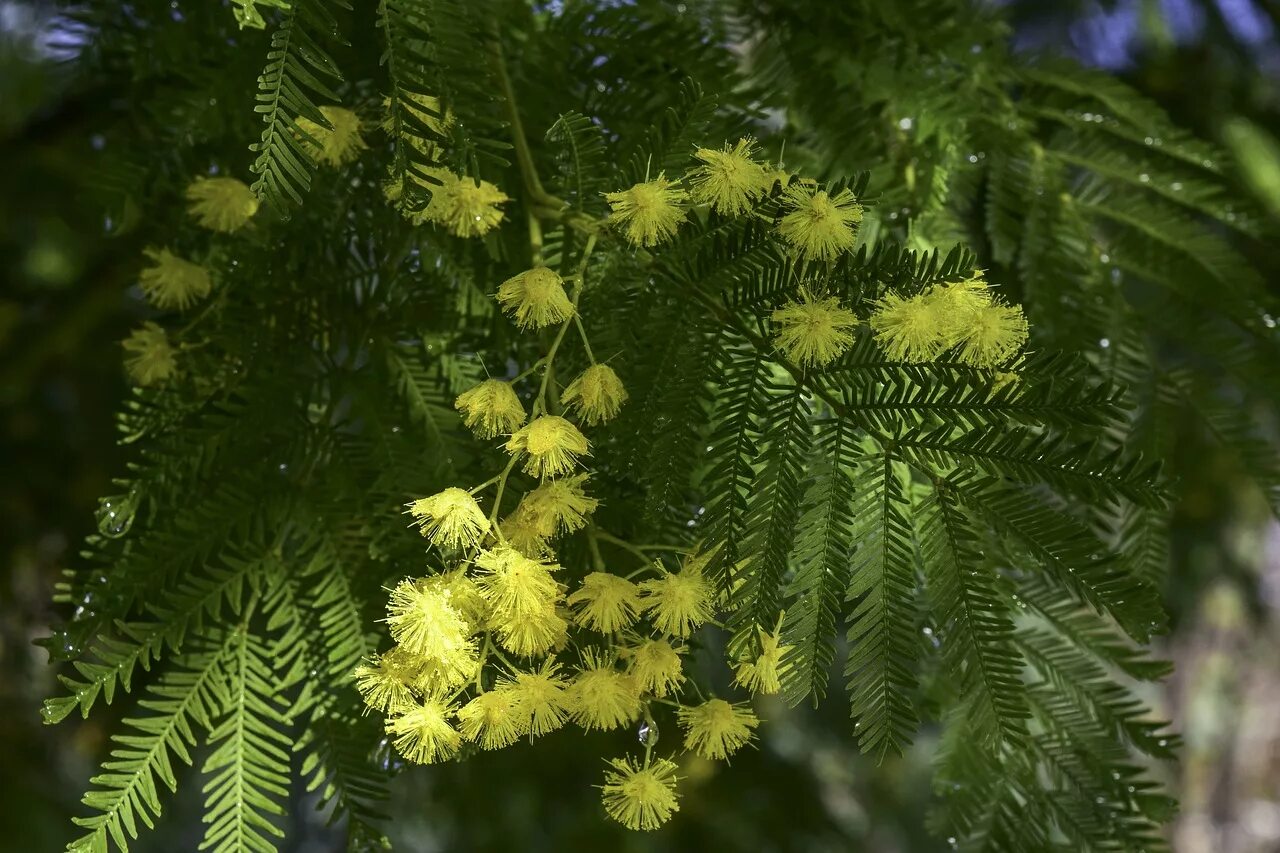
(149, 357)
(173, 282)
(438, 678)
(649, 212)
(1005, 379)
(338, 144)
(991, 335)
(464, 206)
(763, 674)
(221, 204)
(450, 519)
(386, 681)
(423, 620)
(491, 408)
(535, 298)
(553, 444)
(716, 729)
(531, 633)
(540, 699)
(558, 506)
(814, 332)
(492, 719)
(514, 585)
(463, 594)
(818, 225)
(426, 109)
(602, 698)
(641, 798)
(957, 301)
(597, 394)
(423, 733)
(908, 329)
(605, 602)
(678, 602)
(656, 667)
(523, 531)
(729, 180)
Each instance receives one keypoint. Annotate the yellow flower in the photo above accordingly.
(597, 394)
(729, 180)
(553, 444)
(173, 282)
(423, 619)
(602, 698)
(149, 357)
(650, 212)
(715, 729)
(515, 585)
(814, 332)
(492, 719)
(1003, 379)
(992, 335)
(535, 298)
(464, 206)
(464, 596)
(531, 633)
(426, 109)
(819, 226)
(491, 408)
(679, 602)
(524, 533)
(423, 734)
(641, 798)
(450, 519)
(221, 204)
(385, 681)
(909, 330)
(956, 302)
(762, 675)
(540, 699)
(558, 506)
(605, 602)
(696, 562)
(335, 145)
(439, 678)
(656, 667)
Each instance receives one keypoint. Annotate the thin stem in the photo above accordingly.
(638, 550)
(582, 333)
(535, 239)
(538, 196)
(497, 499)
(530, 369)
(475, 490)
(484, 655)
(597, 560)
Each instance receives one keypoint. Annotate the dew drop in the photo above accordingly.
(647, 733)
(385, 758)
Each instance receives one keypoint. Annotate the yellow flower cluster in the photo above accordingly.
(463, 206)
(506, 643)
(172, 282)
(221, 204)
(812, 222)
(337, 144)
(149, 357)
(962, 318)
(814, 332)
(497, 649)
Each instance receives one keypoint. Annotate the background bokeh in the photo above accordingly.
(67, 299)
